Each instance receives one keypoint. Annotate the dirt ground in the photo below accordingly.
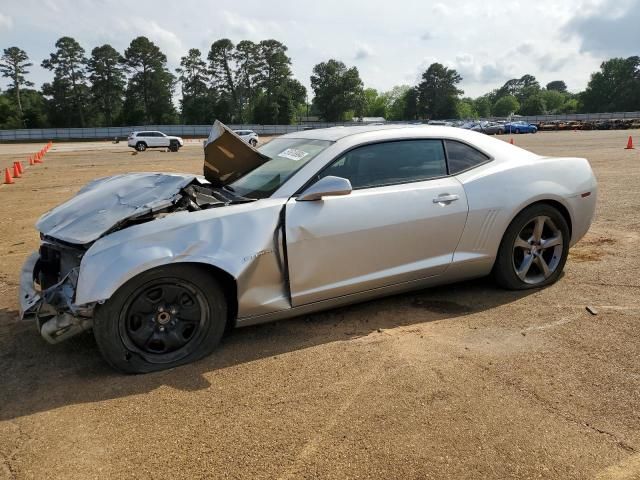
(463, 381)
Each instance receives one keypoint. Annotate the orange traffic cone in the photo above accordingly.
(7, 177)
(511, 140)
(20, 167)
(629, 144)
(37, 158)
(16, 170)
(31, 162)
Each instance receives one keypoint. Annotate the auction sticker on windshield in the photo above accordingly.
(293, 154)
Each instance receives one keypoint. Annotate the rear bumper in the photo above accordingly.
(56, 316)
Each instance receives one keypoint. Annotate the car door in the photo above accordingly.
(162, 139)
(402, 222)
(157, 139)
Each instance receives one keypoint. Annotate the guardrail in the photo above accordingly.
(202, 131)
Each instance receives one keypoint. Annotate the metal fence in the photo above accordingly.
(202, 131)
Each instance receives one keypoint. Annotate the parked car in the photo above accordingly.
(153, 139)
(520, 127)
(489, 128)
(249, 136)
(160, 265)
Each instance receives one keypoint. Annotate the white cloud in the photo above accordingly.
(488, 42)
(6, 22)
(363, 51)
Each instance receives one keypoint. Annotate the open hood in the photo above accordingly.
(103, 204)
(227, 157)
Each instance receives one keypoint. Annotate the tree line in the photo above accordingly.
(252, 82)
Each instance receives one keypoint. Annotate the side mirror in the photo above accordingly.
(326, 187)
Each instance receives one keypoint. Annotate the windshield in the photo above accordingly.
(287, 155)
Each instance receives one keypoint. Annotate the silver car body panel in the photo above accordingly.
(209, 237)
(340, 249)
(346, 244)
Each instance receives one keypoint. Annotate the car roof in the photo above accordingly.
(336, 133)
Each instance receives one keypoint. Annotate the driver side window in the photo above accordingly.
(389, 163)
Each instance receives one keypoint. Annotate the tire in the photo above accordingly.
(174, 146)
(253, 142)
(141, 146)
(522, 255)
(500, 132)
(517, 130)
(162, 318)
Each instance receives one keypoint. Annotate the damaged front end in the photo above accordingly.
(47, 288)
(49, 277)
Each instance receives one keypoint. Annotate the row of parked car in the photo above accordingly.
(500, 128)
(504, 127)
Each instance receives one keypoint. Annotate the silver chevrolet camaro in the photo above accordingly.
(159, 265)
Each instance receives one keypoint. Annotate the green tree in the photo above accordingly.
(411, 104)
(467, 109)
(553, 100)
(558, 86)
(570, 106)
(337, 90)
(520, 88)
(150, 87)
(13, 65)
(506, 106)
(274, 75)
(221, 71)
(438, 92)
(615, 88)
(107, 77)
(248, 66)
(375, 105)
(534, 105)
(196, 98)
(396, 100)
(483, 106)
(68, 91)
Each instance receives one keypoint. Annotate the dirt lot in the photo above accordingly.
(464, 381)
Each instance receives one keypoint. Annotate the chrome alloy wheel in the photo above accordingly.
(537, 250)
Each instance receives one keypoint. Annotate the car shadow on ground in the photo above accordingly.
(37, 377)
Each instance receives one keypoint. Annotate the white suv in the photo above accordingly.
(151, 139)
(249, 136)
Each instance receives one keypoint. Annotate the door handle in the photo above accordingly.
(446, 198)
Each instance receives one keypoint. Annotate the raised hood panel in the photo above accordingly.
(102, 204)
(227, 157)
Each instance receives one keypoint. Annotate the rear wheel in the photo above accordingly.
(141, 146)
(160, 319)
(534, 249)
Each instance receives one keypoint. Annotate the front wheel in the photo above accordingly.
(160, 319)
(253, 142)
(533, 250)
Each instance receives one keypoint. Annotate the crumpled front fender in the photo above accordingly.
(238, 239)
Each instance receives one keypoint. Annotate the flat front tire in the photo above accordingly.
(533, 250)
(165, 317)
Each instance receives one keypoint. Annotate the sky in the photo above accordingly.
(391, 43)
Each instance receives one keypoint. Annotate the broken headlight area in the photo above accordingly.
(47, 291)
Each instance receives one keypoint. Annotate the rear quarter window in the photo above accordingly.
(461, 157)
